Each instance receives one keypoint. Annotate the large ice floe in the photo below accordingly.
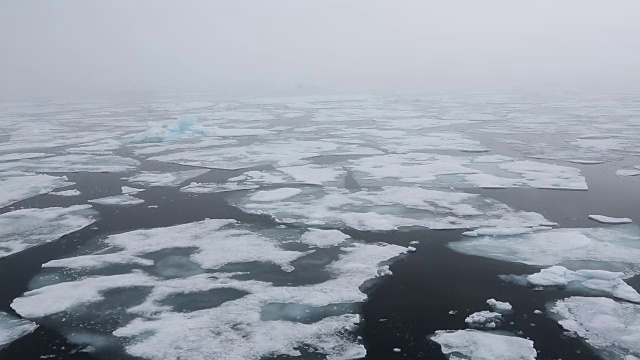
(13, 328)
(203, 290)
(609, 326)
(121, 200)
(16, 185)
(483, 345)
(610, 248)
(599, 281)
(73, 163)
(25, 228)
(386, 208)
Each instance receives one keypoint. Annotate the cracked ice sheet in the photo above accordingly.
(390, 208)
(612, 328)
(158, 178)
(610, 248)
(484, 345)
(608, 282)
(17, 186)
(233, 329)
(13, 328)
(74, 163)
(282, 153)
(25, 228)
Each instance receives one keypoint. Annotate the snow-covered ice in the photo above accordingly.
(275, 195)
(157, 178)
(16, 185)
(612, 328)
(13, 328)
(484, 320)
(72, 192)
(500, 306)
(610, 220)
(482, 345)
(203, 188)
(323, 238)
(120, 200)
(25, 228)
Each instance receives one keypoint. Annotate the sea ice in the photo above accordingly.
(120, 200)
(323, 238)
(610, 327)
(610, 220)
(312, 174)
(72, 192)
(157, 178)
(481, 345)
(130, 190)
(16, 185)
(628, 172)
(74, 163)
(611, 248)
(275, 195)
(203, 188)
(484, 320)
(12, 328)
(611, 283)
(500, 306)
(25, 228)
(546, 176)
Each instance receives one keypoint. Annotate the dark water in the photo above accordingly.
(401, 312)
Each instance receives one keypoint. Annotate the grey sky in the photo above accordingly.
(59, 47)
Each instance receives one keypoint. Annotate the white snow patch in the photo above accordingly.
(130, 190)
(120, 200)
(482, 345)
(323, 238)
(13, 328)
(17, 186)
(500, 306)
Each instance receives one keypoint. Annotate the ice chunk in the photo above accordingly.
(157, 178)
(500, 231)
(12, 328)
(323, 238)
(25, 228)
(484, 319)
(481, 345)
(628, 172)
(74, 163)
(608, 282)
(202, 188)
(610, 220)
(121, 200)
(546, 176)
(612, 248)
(500, 306)
(612, 328)
(312, 174)
(16, 186)
(130, 190)
(72, 192)
(275, 195)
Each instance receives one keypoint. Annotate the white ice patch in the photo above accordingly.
(511, 231)
(323, 238)
(390, 208)
(612, 248)
(629, 172)
(262, 321)
(484, 320)
(74, 163)
(25, 228)
(17, 186)
(119, 200)
(13, 328)
(21, 156)
(72, 192)
(203, 188)
(481, 345)
(492, 159)
(130, 190)
(500, 306)
(158, 178)
(546, 176)
(312, 174)
(612, 328)
(610, 220)
(275, 195)
(611, 283)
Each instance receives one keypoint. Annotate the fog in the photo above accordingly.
(82, 47)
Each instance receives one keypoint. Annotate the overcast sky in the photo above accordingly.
(83, 46)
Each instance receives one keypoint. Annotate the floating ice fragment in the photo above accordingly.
(500, 306)
(323, 238)
(612, 328)
(275, 195)
(120, 200)
(484, 319)
(610, 220)
(12, 328)
(16, 185)
(481, 345)
(203, 188)
(130, 190)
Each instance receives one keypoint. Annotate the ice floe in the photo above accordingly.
(25, 228)
(74, 163)
(610, 220)
(275, 195)
(130, 190)
(610, 283)
(612, 328)
(72, 192)
(203, 188)
(629, 172)
(500, 306)
(323, 238)
(120, 200)
(235, 317)
(482, 345)
(158, 178)
(484, 320)
(13, 328)
(387, 208)
(16, 185)
(611, 248)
